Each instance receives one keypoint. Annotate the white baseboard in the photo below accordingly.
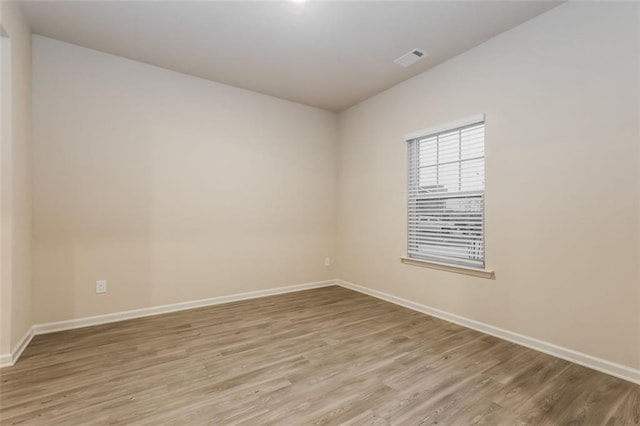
(618, 370)
(608, 367)
(52, 327)
(7, 360)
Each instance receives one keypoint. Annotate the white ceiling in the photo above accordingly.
(326, 54)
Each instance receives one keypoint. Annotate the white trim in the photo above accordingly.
(22, 344)
(71, 324)
(474, 119)
(459, 269)
(7, 360)
(599, 364)
(618, 370)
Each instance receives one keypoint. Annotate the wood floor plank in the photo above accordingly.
(328, 356)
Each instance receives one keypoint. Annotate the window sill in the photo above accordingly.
(482, 273)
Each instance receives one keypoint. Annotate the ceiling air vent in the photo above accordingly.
(410, 58)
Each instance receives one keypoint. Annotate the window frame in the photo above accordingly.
(413, 166)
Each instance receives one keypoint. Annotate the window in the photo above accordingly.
(446, 194)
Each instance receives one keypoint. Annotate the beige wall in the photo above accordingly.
(560, 94)
(174, 188)
(15, 181)
(170, 187)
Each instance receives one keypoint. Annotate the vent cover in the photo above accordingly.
(410, 58)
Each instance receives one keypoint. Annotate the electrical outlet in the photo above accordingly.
(101, 286)
(327, 261)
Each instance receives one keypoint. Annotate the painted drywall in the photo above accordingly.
(15, 181)
(176, 189)
(170, 187)
(560, 94)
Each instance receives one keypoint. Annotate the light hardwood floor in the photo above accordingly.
(325, 356)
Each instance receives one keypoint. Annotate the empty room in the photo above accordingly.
(320, 212)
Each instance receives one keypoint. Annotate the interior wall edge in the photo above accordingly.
(15, 259)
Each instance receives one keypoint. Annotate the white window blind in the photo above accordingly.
(446, 194)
